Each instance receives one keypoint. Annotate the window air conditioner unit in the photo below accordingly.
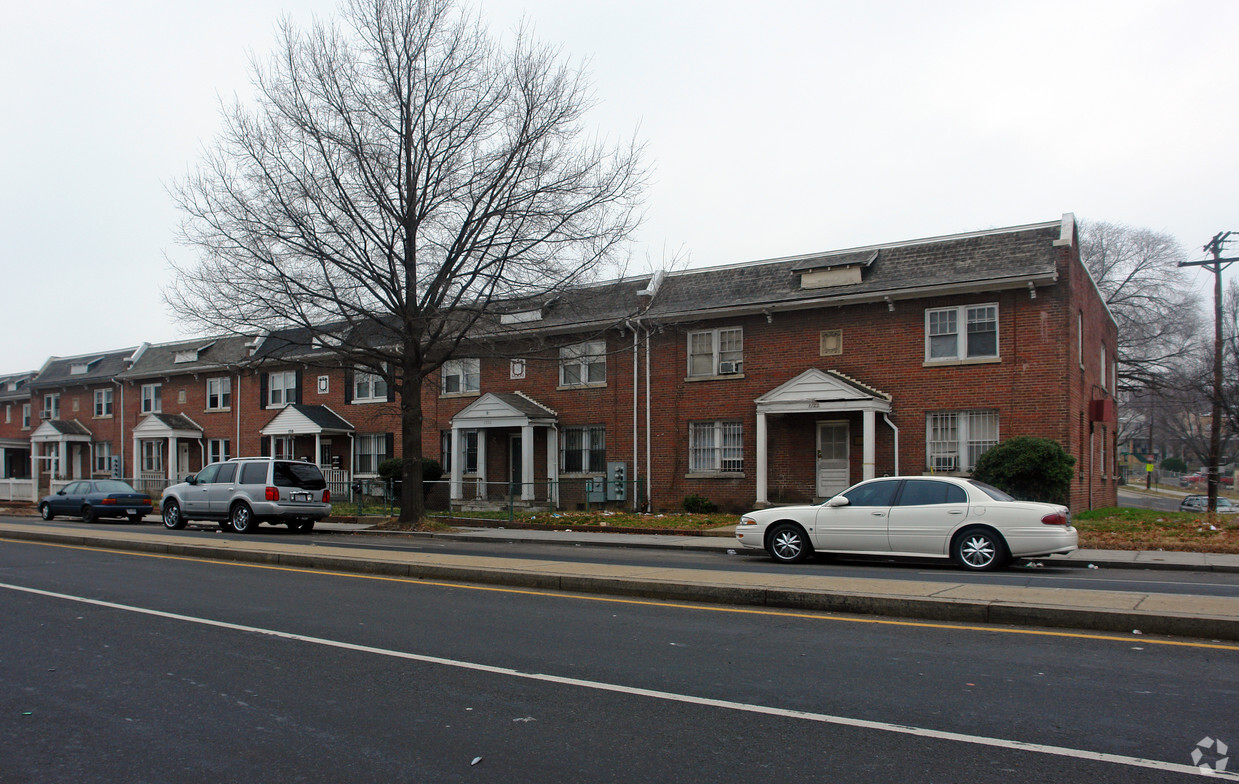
(728, 368)
(45, 415)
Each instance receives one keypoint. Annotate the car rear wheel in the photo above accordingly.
(979, 549)
(172, 518)
(45, 510)
(788, 544)
(242, 519)
(88, 514)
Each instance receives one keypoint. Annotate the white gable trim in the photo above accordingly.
(492, 411)
(817, 390)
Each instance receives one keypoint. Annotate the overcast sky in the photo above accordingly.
(800, 127)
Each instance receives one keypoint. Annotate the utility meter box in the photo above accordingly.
(617, 481)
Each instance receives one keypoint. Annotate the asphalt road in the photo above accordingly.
(132, 667)
(1048, 576)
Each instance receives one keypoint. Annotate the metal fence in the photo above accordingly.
(501, 499)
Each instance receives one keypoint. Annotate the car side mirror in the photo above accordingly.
(61, 491)
(838, 501)
(192, 479)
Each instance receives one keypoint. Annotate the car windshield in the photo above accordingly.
(990, 490)
(305, 476)
(113, 486)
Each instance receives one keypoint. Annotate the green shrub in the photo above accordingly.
(391, 469)
(699, 505)
(1031, 469)
(1175, 464)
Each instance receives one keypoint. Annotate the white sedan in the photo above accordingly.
(978, 526)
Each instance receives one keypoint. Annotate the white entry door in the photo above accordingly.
(832, 459)
(182, 459)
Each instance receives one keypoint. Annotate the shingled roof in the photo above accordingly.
(84, 369)
(189, 356)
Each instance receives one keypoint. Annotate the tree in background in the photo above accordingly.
(397, 174)
(1151, 298)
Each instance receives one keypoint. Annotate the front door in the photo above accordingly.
(182, 459)
(514, 461)
(832, 459)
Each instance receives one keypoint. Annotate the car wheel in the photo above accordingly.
(788, 543)
(242, 519)
(979, 549)
(172, 518)
(45, 510)
(88, 514)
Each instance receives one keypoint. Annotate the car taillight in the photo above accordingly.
(326, 496)
(273, 494)
(108, 502)
(1055, 518)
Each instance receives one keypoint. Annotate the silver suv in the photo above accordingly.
(245, 491)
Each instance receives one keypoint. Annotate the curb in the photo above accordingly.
(914, 607)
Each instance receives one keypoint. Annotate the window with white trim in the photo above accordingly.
(219, 393)
(965, 332)
(51, 405)
(282, 447)
(103, 402)
(1104, 366)
(715, 447)
(8, 413)
(716, 352)
(468, 444)
(371, 450)
(152, 456)
(218, 450)
(25, 416)
(369, 387)
(583, 364)
(461, 376)
(955, 440)
(103, 457)
(583, 449)
(282, 388)
(151, 399)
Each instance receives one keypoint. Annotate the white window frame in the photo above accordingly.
(103, 403)
(461, 376)
(960, 318)
(152, 398)
(25, 416)
(586, 361)
(1104, 366)
(219, 394)
(955, 440)
(711, 348)
(716, 447)
(468, 444)
(152, 456)
(369, 387)
(51, 404)
(370, 447)
(8, 413)
(282, 447)
(102, 452)
(287, 382)
(585, 447)
(218, 450)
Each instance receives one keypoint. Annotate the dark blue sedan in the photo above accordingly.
(94, 499)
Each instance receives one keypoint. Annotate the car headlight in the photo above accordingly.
(746, 520)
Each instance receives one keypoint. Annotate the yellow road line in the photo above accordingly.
(647, 602)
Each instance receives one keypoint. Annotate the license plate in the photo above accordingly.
(131, 511)
(301, 496)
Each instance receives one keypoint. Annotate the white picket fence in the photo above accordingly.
(16, 490)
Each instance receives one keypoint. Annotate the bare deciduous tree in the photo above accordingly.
(397, 175)
(1157, 310)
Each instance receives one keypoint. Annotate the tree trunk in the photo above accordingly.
(412, 500)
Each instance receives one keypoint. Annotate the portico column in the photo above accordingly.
(172, 459)
(761, 460)
(63, 465)
(869, 460)
(527, 462)
(552, 467)
(482, 490)
(137, 458)
(458, 464)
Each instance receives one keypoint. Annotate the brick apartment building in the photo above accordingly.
(759, 383)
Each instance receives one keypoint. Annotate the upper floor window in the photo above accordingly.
(715, 447)
(583, 364)
(282, 388)
(716, 352)
(219, 393)
(460, 376)
(965, 332)
(51, 406)
(955, 440)
(25, 416)
(583, 449)
(1105, 365)
(103, 402)
(151, 402)
(368, 387)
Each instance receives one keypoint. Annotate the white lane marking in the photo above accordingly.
(825, 718)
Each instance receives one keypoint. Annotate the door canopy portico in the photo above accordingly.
(50, 442)
(170, 428)
(305, 420)
(820, 392)
(506, 409)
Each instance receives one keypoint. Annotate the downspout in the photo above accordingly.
(236, 449)
(121, 384)
(886, 417)
(636, 462)
(649, 465)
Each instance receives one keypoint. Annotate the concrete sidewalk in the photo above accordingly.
(942, 600)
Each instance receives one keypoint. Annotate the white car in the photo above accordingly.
(978, 526)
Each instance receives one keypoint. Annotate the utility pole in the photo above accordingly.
(1215, 265)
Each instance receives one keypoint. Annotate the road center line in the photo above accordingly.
(901, 729)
